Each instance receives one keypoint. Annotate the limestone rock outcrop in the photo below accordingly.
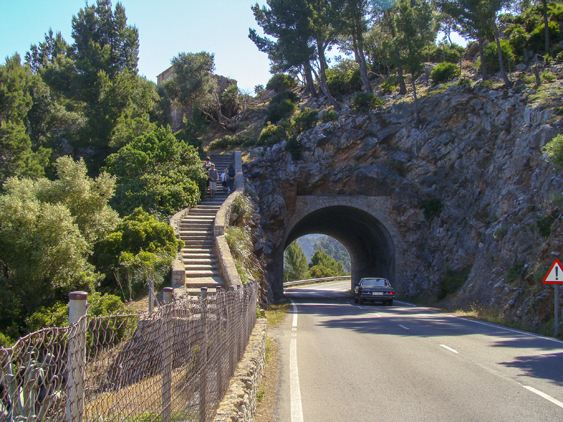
(472, 193)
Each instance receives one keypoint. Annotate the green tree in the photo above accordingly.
(46, 236)
(414, 30)
(477, 19)
(288, 22)
(336, 250)
(103, 42)
(295, 263)
(193, 83)
(156, 172)
(16, 155)
(47, 51)
(139, 249)
(323, 265)
(352, 24)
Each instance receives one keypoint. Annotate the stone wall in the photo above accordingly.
(239, 404)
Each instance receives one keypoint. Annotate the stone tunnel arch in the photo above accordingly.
(361, 223)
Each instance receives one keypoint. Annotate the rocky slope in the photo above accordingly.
(476, 202)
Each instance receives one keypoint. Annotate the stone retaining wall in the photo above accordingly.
(239, 404)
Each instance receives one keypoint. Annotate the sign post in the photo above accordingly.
(555, 276)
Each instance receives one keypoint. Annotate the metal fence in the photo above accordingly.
(173, 364)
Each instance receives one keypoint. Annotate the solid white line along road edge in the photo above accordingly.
(294, 390)
(545, 396)
(449, 348)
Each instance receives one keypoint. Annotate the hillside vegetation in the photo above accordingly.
(95, 157)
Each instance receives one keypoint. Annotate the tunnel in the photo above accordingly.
(369, 243)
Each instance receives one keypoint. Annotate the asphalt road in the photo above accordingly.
(344, 362)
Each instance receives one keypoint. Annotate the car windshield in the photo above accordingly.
(374, 282)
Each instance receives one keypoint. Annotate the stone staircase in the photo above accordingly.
(196, 230)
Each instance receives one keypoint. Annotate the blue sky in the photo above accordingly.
(166, 28)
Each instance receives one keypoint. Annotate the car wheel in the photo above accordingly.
(390, 302)
(355, 299)
(360, 300)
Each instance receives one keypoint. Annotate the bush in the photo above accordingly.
(271, 134)
(554, 151)
(491, 56)
(305, 119)
(139, 249)
(536, 41)
(344, 78)
(281, 82)
(330, 116)
(432, 208)
(452, 281)
(388, 88)
(282, 106)
(444, 72)
(229, 142)
(294, 147)
(444, 53)
(363, 101)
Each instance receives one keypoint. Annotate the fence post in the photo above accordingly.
(168, 294)
(167, 360)
(76, 356)
(203, 359)
(220, 342)
(151, 295)
(230, 330)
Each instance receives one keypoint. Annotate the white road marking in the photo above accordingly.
(545, 396)
(295, 391)
(402, 326)
(449, 348)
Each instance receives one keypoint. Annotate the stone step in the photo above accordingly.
(201, 267)
(202, 273)
(198, 243)
(210, 284)
(201, 261)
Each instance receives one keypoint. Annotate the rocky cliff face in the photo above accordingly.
(475, 201)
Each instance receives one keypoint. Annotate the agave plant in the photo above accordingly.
(26, 394)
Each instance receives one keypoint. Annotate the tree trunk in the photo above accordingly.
(507, 81)
(545, 22)
(310, 84)
(361, 59)
(482, 55)
(326, 92)
(415, 101)
(402, 85)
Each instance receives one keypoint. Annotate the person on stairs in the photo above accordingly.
(213, 176)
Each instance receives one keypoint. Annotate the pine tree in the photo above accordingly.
(295, 263)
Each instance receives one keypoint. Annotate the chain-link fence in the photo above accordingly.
(173, 364)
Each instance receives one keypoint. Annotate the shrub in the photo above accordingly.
(444, 72)
(464, 81)
(271, 134)
(281, 82)
(294, 147)
(330, 116)
(444, 53)
(282, 106)
(364, 101)
(229, 142)
(305, 119)
(259, 89)
(544, 225)
(536, 40)
(548, 76)
(491, 56)
(242, 250)
(388, 88)
(554, 151)
(452, 281)
(344, 78)
(432, 208)
(515, 272)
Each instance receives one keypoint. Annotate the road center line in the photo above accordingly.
(449, 348)
(545, 396)
(295, 391)
(402, 326)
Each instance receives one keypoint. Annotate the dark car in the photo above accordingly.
(375, 289)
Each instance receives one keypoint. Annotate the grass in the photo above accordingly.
(275, 314)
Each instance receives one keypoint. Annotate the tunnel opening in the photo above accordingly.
(315, 256)
(369, 243)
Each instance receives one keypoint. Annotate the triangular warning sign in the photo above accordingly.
(555, 274)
